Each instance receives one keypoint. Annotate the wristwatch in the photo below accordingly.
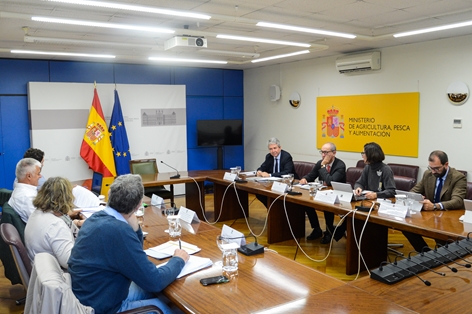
(435, 206)
(323, 166)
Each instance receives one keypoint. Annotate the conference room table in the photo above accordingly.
(264, 283)
(232, 197)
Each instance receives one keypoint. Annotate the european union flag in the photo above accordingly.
(119, 139)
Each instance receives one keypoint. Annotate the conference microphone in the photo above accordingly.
(248, 249)
(173, 177)
(465, 248)
(426, 282)
(447, 257)
(454, 253)
(453, 269)
(425, 267)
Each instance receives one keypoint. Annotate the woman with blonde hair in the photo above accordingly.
(50, 227)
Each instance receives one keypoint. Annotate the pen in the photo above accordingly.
(180, 244)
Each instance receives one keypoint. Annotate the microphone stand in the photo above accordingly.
(175, 176)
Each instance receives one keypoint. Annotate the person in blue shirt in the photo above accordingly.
(109, 269)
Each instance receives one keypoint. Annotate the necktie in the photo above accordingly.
(437, 197)
(276, 166)
(328, 168)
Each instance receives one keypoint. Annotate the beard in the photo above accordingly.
(440, 174)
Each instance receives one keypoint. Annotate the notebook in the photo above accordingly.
(346, 187)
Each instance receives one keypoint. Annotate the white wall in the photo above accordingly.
(427, 68)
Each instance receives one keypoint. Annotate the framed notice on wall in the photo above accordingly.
(391, 120)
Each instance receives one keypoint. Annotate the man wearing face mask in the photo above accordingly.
(443, 188)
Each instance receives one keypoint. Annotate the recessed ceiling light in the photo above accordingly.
(281, 56)
(263, 40)
(69, 54)
(433, 29)
(163, 59)
(130, 7)
(100, 24)
(305, 30)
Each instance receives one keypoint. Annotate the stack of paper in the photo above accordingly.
(167, 249)
(194, 263)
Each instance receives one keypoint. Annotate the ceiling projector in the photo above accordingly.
(185, 41)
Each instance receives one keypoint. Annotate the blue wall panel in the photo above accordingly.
(201, 108)
(201, 158)
(15, 133)
(81, 72)
(142, 74)
(233, 108)
(200, 82)
(15, 74)
(233, 83)
(211, 94)
(233, 156)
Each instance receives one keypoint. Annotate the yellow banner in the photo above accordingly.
(391, 120)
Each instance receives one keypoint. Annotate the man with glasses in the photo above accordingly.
(328, 169)
(442, 187)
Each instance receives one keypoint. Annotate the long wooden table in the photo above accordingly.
(439, 224)
(265, 283)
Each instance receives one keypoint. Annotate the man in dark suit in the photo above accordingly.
(442, 187)
(276, 164)
(328, 169)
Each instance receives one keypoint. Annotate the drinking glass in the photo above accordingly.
(220, 241)
(140, 216)
(175, 228)
(313, 188)
(236, 170)
(230, 261)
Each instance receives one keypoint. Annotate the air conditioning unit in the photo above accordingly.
(185, 41)
(358, 62)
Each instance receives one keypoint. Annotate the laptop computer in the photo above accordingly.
(346, 187)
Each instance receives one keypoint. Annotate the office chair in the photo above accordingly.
(23, 264)
(50, 291)
(149, 166)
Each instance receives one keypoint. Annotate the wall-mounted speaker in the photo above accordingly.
(274, 92)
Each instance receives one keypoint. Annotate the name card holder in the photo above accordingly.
(279, 187)
(188, 215)
(230, 176)
(394, 210)
(327, 197)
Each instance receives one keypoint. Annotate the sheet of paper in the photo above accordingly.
(89, 211)
(167, 249)
(194, 264)
(84, 197)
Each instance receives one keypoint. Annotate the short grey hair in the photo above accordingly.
(333, 147)
(26, 166)
(273, 140)
(126, 193)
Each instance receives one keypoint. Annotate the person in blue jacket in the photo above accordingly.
(109, 269)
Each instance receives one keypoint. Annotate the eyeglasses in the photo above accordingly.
(324, 152)
(362, 153)
(435, 169)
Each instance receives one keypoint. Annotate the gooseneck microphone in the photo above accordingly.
(426, 282)
(250, 248)
(454, 253)
(173, 177)
(426, 267)
(453, 269)
(447, 257)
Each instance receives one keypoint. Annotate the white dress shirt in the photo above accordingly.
(47, 233)
(21, 200)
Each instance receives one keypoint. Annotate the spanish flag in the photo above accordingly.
(96, 146)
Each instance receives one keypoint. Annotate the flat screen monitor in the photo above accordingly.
(219, 132)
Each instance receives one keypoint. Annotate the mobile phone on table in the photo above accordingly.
(214, 280)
